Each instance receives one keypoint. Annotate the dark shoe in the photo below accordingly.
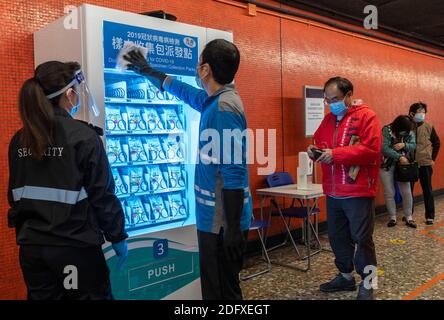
(391, 223)
(365, 294)
(429, 221)
(338, 284)
(411, 224)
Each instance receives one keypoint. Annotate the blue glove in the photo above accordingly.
(121, 249)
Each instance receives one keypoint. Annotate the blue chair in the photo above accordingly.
(259, 226)
(278, 179)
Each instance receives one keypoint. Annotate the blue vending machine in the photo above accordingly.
(150, 139)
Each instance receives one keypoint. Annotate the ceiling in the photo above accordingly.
(419, 21)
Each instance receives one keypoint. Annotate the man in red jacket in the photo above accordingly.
(350, 140)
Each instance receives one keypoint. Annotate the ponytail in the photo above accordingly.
(36, 110)
(37, 115)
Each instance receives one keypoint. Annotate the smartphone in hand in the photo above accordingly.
(317, 153)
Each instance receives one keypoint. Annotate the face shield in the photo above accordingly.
(81, 87)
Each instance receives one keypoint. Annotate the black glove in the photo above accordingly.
(234, 240)
(139, 65)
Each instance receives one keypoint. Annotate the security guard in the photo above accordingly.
(61, 191)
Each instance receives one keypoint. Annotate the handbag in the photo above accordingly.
(407, 172)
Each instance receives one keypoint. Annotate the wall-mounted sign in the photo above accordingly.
(314, 109)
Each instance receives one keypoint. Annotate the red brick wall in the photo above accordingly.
(270, 81)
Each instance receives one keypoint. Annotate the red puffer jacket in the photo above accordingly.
(362, 122)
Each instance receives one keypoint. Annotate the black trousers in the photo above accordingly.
(425, 179)
(350, 232)
(219, 275)
(46, 278)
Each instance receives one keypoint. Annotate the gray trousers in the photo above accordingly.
(387, 178)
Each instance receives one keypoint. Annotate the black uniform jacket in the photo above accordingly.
(67, 198)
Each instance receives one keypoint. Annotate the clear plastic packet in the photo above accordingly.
(136, 122)
(116, 120)
(136, 150)
(177, 205)
(115, 151)
(158, 208)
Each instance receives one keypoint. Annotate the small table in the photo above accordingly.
(312, 193)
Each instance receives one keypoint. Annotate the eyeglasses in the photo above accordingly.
(173, 151)
(156, 152)
(115, 155)
(154, 122)
(120, 186)
(137, 154)
(176, 179)
(174, 123)
(114, 122)
(157, 182)
(135, 122)
(138, 214)
(328, 101)
(178, 208)
(138, 184)
(160, 95)
(153, 125)
(159, 211)
(154, 92)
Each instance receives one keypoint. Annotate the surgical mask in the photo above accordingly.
(75, 108)
(420, 117)
(338, 108)
(198, 81)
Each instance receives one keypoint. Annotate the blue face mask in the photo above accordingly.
(420, 117)
(198, 81)
(75, 108)
(338, 108)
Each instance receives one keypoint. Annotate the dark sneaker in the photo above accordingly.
(365, 294)
(429, 221)
(411, 224)
(339, 284)
(391, 223)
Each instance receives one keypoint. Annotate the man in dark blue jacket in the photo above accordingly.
(223, 199)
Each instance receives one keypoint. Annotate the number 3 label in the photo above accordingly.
(160, 249)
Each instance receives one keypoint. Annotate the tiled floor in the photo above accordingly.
(410, 265)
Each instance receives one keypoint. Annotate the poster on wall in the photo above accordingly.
(166, 52)
(314, 109)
